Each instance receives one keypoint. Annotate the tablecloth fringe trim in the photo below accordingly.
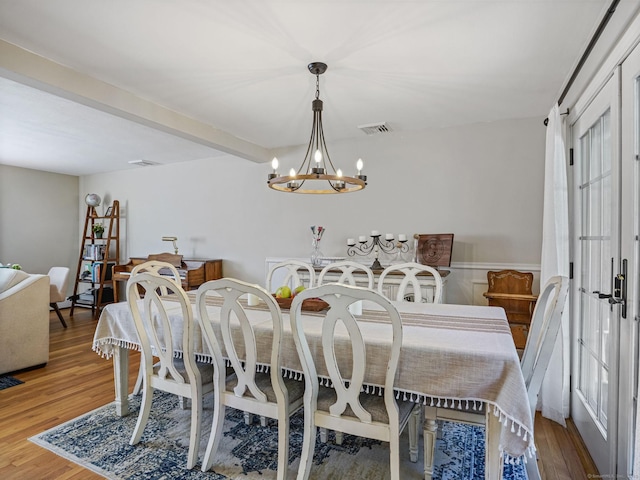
(97, 346)
(511, 460)
(415, 397)
(476, 405)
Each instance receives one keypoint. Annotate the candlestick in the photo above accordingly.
(351, 242)
(376, 244)
(402, 237)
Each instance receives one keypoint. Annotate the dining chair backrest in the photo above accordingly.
(345, 269)
(346, 405)
(410, 270)
(348, 383)
(250, 388)
(238, 338)
(292, 275)
(170, 340)
(157, 267)
(545, 326)
(160, 336)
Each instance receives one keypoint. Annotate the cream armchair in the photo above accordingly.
(24, 320)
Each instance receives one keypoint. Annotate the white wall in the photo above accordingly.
(38, 219)
(481, 182)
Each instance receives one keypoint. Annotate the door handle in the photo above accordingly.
(602, 295)
(620, 289)
(619, 295)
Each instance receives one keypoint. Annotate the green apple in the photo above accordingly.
(283, 292)
(298, 289)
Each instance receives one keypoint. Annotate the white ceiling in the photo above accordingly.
(172, 81)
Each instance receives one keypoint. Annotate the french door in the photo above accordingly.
(606, 219)
(630, 251)
(596, 253)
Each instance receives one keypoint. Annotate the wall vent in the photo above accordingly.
(374, 128)
(142, 163)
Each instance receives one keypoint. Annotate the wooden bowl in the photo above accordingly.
(310, 304)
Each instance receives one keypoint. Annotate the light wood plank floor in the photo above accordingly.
(77, 380)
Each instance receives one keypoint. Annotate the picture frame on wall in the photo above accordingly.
(434, 249)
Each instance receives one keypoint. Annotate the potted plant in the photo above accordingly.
(98, 228)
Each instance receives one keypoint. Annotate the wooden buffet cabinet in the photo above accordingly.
(192, 272)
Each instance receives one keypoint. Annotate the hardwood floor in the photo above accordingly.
(76, 380)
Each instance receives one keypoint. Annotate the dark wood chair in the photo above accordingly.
(511, 290)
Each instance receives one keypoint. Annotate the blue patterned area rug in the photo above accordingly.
(7, 381)
(99, 441)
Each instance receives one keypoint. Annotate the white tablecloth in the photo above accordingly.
(452, 355)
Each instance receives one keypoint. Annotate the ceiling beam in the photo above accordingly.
(38, 72)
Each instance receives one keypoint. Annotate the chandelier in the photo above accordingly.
(316, 173)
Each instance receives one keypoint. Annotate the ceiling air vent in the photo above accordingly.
(374, 128)
(142, 163)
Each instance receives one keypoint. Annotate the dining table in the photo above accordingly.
(452, 356)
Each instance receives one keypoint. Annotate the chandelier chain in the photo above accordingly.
(317, 87)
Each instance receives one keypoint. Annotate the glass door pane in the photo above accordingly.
(595, 238)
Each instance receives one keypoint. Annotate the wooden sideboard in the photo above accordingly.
(192, 272)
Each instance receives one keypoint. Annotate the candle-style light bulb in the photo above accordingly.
(339, 173)
(274, 164)
(292, 173)
(359, 165)
(318, 156)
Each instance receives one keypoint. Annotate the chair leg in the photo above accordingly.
(394, 455)
(414, 422)
(283, 444)
(308, 446)
(138, 386)
(216, 434)
(57, 310)
(143, 416)
(196, 418)
(494, 461)
(533, 472)
(429, 434)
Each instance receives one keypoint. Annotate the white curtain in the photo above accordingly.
(554, 398)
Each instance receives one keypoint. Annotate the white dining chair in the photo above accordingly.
(409, 284)
(345, 407)
(345, 269)
(154, 267)
(251, 388)
(157, 267)
(545, 325)
(292, 275)
(58, 282)
(177, 371)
